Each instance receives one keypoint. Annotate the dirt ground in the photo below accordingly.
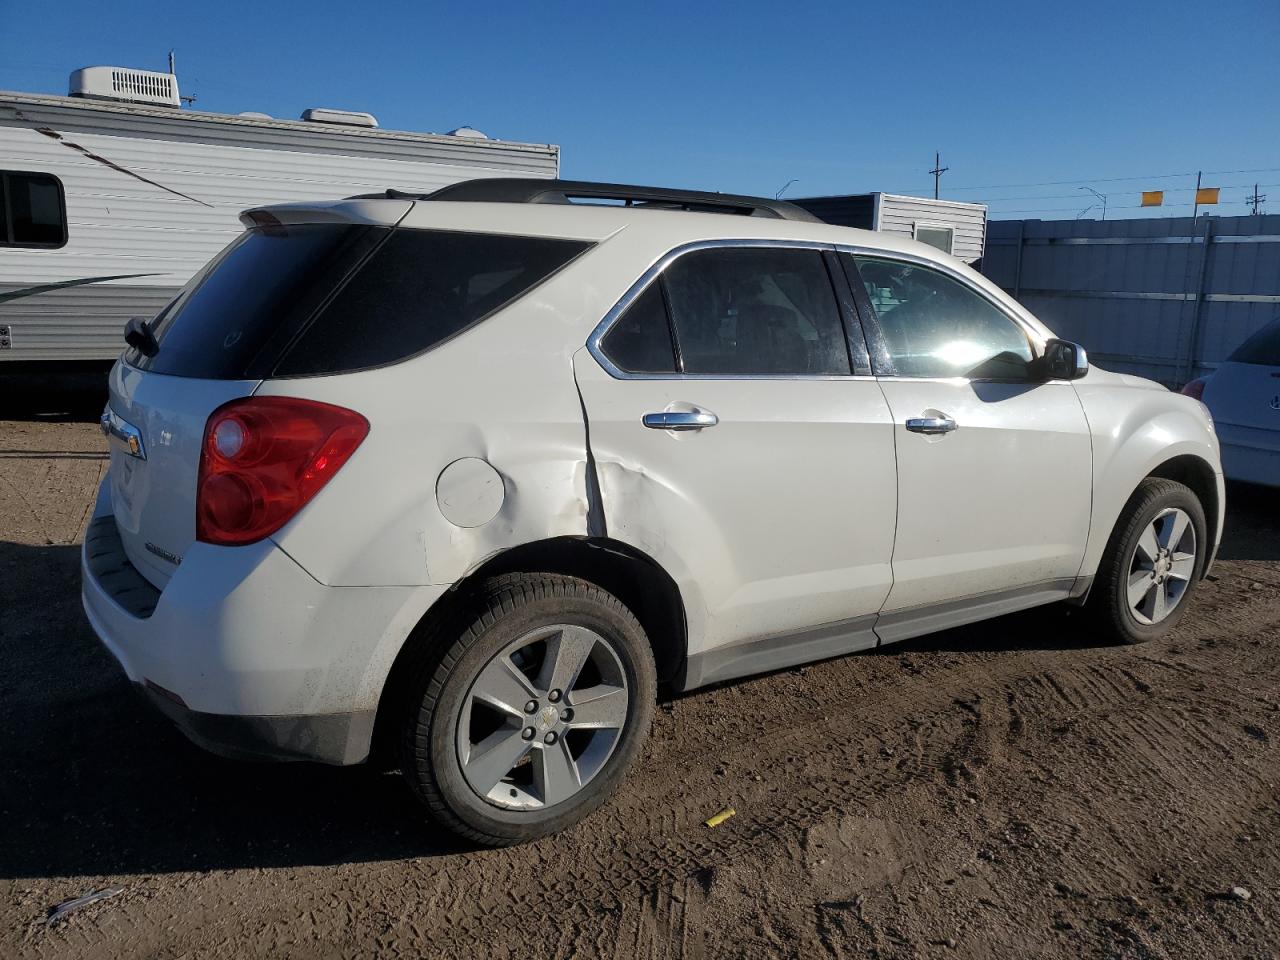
(1013, 789)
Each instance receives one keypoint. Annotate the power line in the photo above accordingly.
(1150, 176)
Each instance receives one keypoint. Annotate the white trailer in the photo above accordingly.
(959, 229)
(112, 197)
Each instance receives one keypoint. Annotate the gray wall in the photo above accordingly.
(1149, 296)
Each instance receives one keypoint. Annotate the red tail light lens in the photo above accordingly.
(263, 458)
(1194, 389)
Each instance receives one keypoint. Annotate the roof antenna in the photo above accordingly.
(173, 70)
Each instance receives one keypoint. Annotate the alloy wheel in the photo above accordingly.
(542, 717)
(1162, 565)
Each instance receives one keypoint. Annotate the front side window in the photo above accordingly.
(756, 311)
(33, 211)
(935, 326)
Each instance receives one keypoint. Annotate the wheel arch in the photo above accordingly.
(642, 585)
(1196, 473)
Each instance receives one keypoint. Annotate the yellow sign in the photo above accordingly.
(1152, 198)
(1207, 195)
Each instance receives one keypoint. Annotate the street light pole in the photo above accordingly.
(1100, 196)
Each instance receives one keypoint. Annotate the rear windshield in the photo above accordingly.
(1263, 347)
(312, 299)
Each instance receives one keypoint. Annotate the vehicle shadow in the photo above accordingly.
(66, 398)
(1253, 523)
(94, 782)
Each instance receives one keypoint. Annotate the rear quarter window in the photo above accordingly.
(420, 288)
(1262, 348)
(311, 299)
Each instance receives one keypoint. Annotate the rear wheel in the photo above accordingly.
(1152, 563)
(526, 709)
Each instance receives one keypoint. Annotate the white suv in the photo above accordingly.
(476, 471)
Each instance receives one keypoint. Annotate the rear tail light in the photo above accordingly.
(263, 458)
(1194, 389)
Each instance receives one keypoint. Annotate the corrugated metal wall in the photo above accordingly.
(1163, 298)
(856, 210)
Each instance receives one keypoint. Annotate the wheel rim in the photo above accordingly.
(1162, 565)
(542, 717)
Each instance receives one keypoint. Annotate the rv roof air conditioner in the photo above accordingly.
(126, 85)
(343, 118)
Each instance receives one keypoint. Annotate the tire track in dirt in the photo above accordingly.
(657, 863)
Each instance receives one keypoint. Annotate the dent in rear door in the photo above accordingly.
(776, 524)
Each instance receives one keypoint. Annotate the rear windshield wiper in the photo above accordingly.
(137, 334)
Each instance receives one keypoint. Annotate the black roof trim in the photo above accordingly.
(535, 190)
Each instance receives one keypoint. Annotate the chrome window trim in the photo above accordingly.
(639, 287)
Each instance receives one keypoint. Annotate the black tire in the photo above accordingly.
(1109, 599)
(451, 655)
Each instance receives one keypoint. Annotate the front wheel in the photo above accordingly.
(528, 708)
(1152, 563)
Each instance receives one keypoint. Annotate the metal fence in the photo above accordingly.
(1167, 298)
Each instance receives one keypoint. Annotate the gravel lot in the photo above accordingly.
(1008, 790)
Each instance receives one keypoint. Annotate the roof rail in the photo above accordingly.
(533, 190)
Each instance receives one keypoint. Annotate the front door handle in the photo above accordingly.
(680, 420)
(931, 425)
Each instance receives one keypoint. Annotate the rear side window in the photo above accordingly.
(1262, 348)
(640, 340)
(756, 311)
(33, 210)
(419, 289)
(296, 300)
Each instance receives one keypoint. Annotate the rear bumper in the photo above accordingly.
(245, 651)
(338, 738)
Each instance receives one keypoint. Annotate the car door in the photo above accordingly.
(994, 467)
(740, 442)
(1244, 397)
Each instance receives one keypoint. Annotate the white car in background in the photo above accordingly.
(476, 471)
(1243, 395)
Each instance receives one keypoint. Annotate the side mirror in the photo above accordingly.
(1062, 360)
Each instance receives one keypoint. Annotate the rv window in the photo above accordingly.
(936, 236)
(33, 210)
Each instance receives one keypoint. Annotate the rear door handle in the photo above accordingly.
(931, 425)
(680, 420)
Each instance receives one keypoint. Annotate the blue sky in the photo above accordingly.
(843, 97)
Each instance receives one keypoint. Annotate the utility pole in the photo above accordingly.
(1257, 200)
(937, 171)
(171, 63)
(1195, 208)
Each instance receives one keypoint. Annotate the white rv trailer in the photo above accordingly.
(112, 197)
(959, 229)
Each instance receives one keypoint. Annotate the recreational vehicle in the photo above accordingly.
(959, 229)
(111, 198)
